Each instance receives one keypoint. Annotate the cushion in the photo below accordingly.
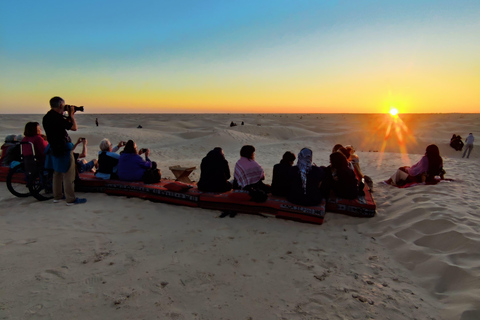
(177, 186)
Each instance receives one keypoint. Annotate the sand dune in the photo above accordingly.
(126, 258)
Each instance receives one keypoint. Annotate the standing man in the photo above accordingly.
(60, 150)
(96, 121)
(468, 145)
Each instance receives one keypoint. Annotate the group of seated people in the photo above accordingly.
(456, 142)
(304, 183)
(127, 166)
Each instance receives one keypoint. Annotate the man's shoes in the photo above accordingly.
(59, 200)
(77, 201)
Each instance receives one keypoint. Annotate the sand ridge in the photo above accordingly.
(127, 258)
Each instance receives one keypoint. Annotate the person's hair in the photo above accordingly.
(435, 161)
(350, 150)
(344, 151)
(129, 147)
(336, 147)
(30, 129)
(105, 145)
(288, 158)
(10, 138)
(56, 102)
(247, 151)
(338, 160)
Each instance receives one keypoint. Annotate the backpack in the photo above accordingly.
(151, 176)
(12, 154)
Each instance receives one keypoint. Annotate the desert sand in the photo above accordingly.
(126, 258)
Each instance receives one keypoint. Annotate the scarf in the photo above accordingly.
(304, 164)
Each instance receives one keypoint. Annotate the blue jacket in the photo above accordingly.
(131, 167)
(58, 163)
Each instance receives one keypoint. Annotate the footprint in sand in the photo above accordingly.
(34, 309)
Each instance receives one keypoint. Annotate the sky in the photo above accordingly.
(185, 56)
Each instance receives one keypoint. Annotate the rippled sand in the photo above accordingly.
(118, 257)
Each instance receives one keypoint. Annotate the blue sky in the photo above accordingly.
(241, 56)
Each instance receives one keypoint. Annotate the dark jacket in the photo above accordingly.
(346, 186)
(215, 173)
(56, 126)
(312, 196)
(281, 179)
(131, 167)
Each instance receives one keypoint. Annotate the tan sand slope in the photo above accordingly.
(126, 258)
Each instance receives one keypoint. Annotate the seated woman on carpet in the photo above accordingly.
(215, 172)
(425, 170)
(248, 173)
(33, 134)
(341, 178)
(280, 179)
(305, 180)
(108, 159)
(131, 166)
(354, 160)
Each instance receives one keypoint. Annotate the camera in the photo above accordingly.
(81, 109)
(143, 150)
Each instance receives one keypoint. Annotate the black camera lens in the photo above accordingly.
(81, 109)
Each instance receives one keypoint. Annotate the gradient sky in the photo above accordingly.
(244, 56)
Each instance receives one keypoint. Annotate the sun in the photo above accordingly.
(393, 111)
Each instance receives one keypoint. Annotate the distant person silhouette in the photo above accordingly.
(96, 121)
(468, 145)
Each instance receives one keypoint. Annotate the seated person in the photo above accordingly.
(248, 173)
(354, 160)
(341, 178)
(280, 179)
(7, 149)
(305, 180)
(346, 153)
(215, 172)
(108, 160)
(131, 166)
(336, 147)
(82, 164)
(33, 134)
(456, 142)
(425, 170)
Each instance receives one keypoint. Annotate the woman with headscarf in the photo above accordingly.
(305, 180)
(425, 170)
(215, 172)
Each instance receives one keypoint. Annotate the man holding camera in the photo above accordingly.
(60, 150)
